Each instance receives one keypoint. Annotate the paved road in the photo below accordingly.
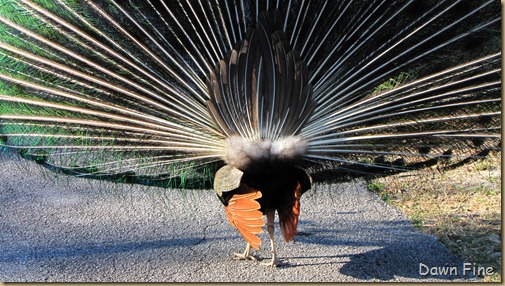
(53, 228)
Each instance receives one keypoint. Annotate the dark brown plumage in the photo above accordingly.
(264, 193)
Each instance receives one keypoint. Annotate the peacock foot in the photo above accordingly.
(241, 256)
(244, 256)
(274, 262)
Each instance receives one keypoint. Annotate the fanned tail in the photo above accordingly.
(405, 86)
(109, 88)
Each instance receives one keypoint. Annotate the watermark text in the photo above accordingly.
(466, 269)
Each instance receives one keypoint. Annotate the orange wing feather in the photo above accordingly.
(243, 213)
(288, 218)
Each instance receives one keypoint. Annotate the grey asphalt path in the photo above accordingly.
(58, 228)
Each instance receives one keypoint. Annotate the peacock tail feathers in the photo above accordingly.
(152, 91)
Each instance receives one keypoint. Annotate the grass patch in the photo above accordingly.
(380, 190)
(461, 207)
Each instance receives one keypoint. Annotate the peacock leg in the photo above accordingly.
(246, 255)
(274, 262)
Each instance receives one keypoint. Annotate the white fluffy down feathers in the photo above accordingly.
(245, 154)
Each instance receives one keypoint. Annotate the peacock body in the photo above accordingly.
(260, 97)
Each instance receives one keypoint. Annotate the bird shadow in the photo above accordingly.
(392, 261)
(398, 260)
(392, 249)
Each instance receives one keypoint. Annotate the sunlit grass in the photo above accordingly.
(461, 207)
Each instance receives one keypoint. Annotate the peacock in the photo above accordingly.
(258, 100)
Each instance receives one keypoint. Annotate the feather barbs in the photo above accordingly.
(243, 212)
(288, 216)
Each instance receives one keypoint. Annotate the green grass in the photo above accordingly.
(394, 82)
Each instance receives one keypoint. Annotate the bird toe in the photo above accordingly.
(241, 256)
(275, 263)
